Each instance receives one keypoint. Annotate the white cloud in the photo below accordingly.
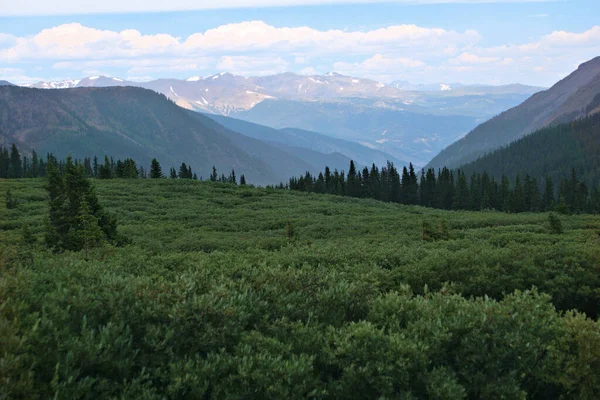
(468, 58)
(73, 7)
(379, 67)
(406, 52)
(75, 41)
(244, 65)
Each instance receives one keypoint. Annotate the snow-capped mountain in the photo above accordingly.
(411, 122)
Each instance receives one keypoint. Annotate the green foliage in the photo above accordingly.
(155, 169)
(77, 220)
(28, 236)
(436, 232)
(10, 200)
(211, 301)
(555, 224)
(289, 230)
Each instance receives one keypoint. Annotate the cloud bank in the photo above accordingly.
(407, 52)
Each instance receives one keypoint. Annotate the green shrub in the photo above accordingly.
(555, 224)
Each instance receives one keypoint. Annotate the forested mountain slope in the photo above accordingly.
(566, 100)
(550, 152)
(137, 123)
(361, 154)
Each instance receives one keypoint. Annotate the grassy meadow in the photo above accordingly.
(231, 292)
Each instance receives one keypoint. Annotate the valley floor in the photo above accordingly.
(237, 292)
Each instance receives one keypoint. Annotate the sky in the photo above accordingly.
(536, 42)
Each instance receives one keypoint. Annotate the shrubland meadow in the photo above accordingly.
(218, 291)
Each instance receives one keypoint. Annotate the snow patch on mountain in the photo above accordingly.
(193, 79)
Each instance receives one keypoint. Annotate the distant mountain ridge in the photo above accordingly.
(565, 101)
(299, 138)
(142, 124)
(410, 125)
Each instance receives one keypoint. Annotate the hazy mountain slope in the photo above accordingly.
(138, 123)
(564, 101)
(5, 83)
(308, 140)
(287, 161)
(407, 136)
(551, 151)
(418, 122)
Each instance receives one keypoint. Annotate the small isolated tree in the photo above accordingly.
(173, 173)
(155, 169)
(242, 180)
(76, 216)
(289, 231)
(555, 224)
(11, 201)
(213, 176)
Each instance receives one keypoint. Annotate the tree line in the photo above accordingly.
(452, 189)
(13, 165)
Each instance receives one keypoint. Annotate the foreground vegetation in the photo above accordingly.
(236, 292)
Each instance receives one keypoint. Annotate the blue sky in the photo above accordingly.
(494, 42)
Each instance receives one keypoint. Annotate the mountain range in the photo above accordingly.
(142, 124)
(410, 123)
(575, 96)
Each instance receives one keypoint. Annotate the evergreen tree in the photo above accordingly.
(35, 165)
(173, 173)
(461, 195)
(518, 198)
(155, 169)
(87, 230)
(548, 199)
(353, 187)
(183, 171)
(213, 176)
(105, 171)
(16, 168)
(242, 180)
(72, 201)
(95, 167)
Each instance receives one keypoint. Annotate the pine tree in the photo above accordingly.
(232, 178)
(183, 171)
(461, 194)
(548, 199)
(95, 167)
(353, 183)
(87, 231)
(242, 180)
(69, 194)
(518, 197)
(155, 169)
(16, 168)
(105, 171)
(173, 173)
(213, 176)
